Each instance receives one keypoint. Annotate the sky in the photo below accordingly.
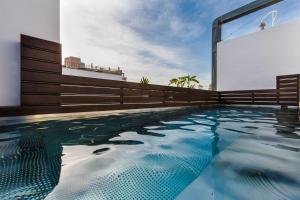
(157, 39)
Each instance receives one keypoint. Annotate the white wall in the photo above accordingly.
(84, 73)
(38, 18)
(253, 61)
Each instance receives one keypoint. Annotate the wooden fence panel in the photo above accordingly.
(40, 72)
(45, 90)
(286, 93)
(288, 89)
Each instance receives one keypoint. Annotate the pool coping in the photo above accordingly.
(14, 120)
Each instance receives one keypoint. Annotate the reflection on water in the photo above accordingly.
(262, 163)
(218, 153)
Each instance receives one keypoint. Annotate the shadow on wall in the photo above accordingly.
(10, 76)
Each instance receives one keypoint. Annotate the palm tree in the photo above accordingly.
(183, 81)
(174, 81)
(144, 81)
(187, 80)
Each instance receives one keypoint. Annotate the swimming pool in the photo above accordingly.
(216, 153)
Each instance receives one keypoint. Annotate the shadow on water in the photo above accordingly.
(31, 154)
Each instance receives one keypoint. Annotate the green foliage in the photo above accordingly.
(185, 81)
(144, 81)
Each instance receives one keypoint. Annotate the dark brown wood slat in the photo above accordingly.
(181, 95)
(288, 81)
(204, 102)
(44, 56)
(129, 92)
(236, 96)
(38, 100)
(265, 95)
(40, 77)
(294, 99)
(261, 102)
(205, 95)
(266, 99)
(40, 43)
(241, 102)
(284, 90)
(34, 65)
(154, 93)
(181, 99)
(132, 85)
(89, 99)
(89, 90)
(196, 91)
(83, 81)
(133, 99)
(249, 91)
(40, 88)
(176, 94)
(202, 99)
(238, 99)
(289, 86)
(288, 95)
(288, 76)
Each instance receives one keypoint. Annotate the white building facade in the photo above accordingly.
(37, 18)
(253, 61)
(92, 74)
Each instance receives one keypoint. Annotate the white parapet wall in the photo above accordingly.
(38, 18)
(91, 74)
(253, 61)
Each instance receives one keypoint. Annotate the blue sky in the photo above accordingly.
(159, 39)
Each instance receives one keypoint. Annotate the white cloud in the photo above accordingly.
(107, 33)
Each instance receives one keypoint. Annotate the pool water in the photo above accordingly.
(217, 153)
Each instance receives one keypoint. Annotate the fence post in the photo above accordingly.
(298, 99)
(164, 97)
(219, 98)
(277, 89)
(190, 95)
(252, 96)
(122, 95)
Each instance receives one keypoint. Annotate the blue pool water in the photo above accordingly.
(217, 153)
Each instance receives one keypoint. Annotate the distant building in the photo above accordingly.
(74, 67)
(74, 62)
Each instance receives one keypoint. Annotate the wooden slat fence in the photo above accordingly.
(45, 90)
(288, 89)
(286, 94)
(40, 72)
(90, 91)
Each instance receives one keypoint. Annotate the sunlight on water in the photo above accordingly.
(218, 153)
